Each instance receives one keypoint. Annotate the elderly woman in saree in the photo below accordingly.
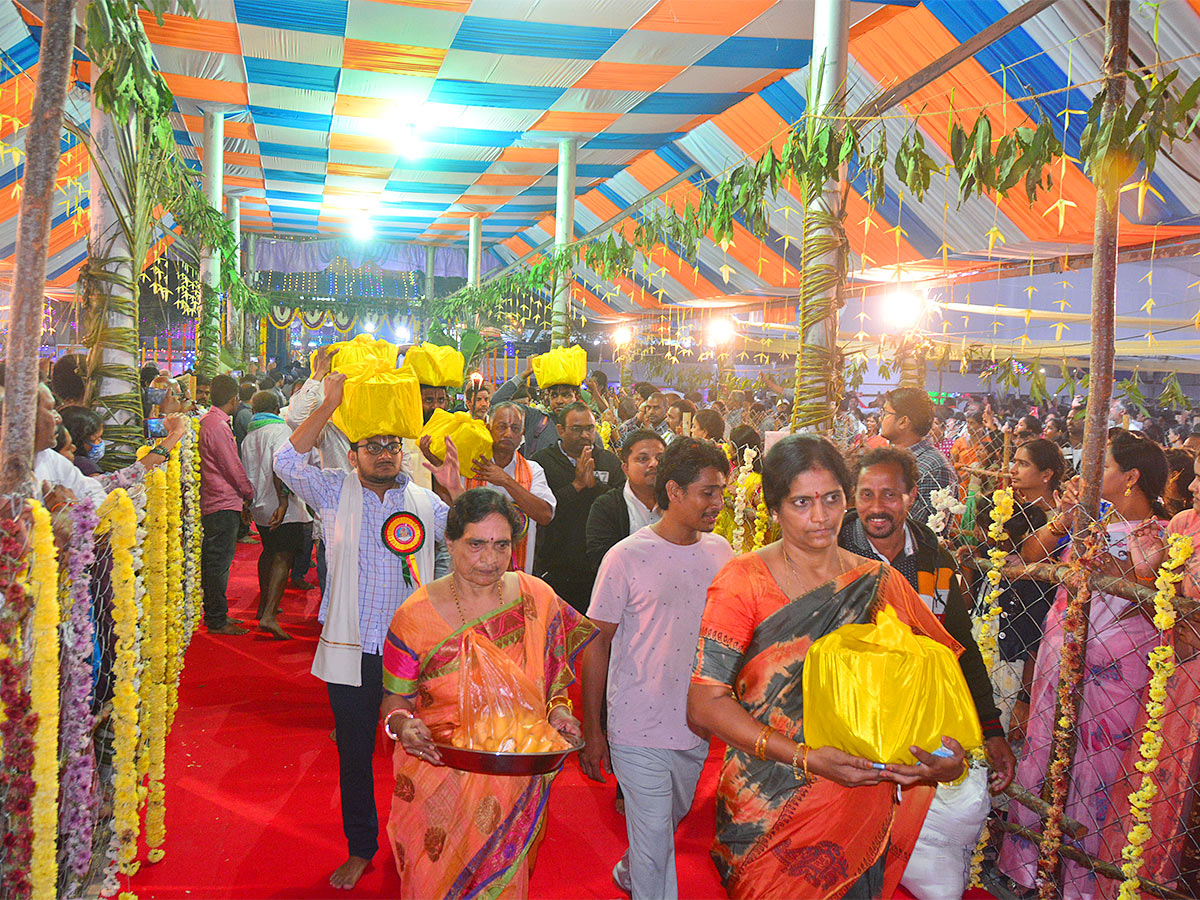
(457, 834)
(794, 821)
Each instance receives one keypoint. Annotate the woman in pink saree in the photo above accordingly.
(1172, 856)
(457, 834)
(1116, 673)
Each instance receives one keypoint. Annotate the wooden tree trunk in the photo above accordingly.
(42, 149)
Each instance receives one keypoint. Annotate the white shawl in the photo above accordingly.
(339, 651)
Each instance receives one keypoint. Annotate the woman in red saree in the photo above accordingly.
(457, 834)
(836, 829)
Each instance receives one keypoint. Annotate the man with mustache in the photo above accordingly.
(647, 603)
(879, 526)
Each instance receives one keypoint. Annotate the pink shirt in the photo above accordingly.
(223, 481)
(654, 591)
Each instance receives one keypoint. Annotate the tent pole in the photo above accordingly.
(564, 234)
(208, 340)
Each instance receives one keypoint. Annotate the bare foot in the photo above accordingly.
(273, 627)
(346, 875)
(228, 628)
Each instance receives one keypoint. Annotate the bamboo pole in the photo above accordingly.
(42, 148)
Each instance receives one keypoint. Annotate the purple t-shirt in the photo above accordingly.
(654, 591)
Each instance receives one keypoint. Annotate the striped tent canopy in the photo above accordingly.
(423, 113)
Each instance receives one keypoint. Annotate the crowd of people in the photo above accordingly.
(584, 545)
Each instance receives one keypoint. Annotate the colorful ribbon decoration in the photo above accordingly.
(404, 535)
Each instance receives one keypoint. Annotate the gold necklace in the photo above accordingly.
(458, 605)
(796, 572)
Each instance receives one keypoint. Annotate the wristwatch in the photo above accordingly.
(159, 451)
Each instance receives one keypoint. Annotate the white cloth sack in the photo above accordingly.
(941, 859)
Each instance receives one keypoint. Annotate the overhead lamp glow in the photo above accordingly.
(721, 332)
(622, 336)
(403, 335)
(905, 309)
(370, 325)
(361, 228)
(407, 141)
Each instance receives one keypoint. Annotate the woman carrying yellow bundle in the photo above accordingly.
(457, 834)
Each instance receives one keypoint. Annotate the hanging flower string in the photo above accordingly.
(946, 505)
(176, 642)
(18, 723)
(740, 499)
(77, 790)
(1162, 667)
(1002, 511)
(118, 518)
(43, 586)
(154, 677)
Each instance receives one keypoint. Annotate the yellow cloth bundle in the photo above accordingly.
(874, 690)
(436, 366)
(470, 436)
(350, 356)
(379, 399)
(562, 365)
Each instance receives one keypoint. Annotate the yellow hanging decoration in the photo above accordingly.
(42, 585)
(154, 639)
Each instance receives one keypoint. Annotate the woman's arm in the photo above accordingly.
(399, 719)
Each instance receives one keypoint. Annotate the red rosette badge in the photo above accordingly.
(403, 533)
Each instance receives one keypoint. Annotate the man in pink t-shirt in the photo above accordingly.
(647, 603)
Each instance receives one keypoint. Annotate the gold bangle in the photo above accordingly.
(796, 760)
(560, 701)
(806, 775)
(760, 746)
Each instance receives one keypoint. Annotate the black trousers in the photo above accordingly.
(216, 559)
(356, 714)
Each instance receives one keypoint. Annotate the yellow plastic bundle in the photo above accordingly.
(364, 351)
(562, 365)
(874, 690)
(436, 366)
(470, 436)
(379, 399)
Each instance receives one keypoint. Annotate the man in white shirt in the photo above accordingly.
(278, 513)
(647, 603)
(519, 479)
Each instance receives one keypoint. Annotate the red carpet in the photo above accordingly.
(252, 798)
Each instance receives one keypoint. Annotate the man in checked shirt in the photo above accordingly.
(368, 580)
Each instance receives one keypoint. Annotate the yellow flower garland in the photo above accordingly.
(154, 642)
(43, 585)
(197, 530)
(175, 583)
(1162, 667)
(745, 475)
(119, 519)
(1002, 511)
(762, 519)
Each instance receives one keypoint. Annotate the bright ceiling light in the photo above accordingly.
(361, 228)
(407, 141)
(369, 325)
(403, 335)
(905, 308)
(721, 332)
(622, 336)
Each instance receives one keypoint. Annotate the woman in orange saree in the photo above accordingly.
(794, 821)
(457, 834)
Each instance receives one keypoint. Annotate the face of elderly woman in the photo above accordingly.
(811, 513)
(484, 551)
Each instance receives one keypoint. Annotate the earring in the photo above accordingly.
(1128, 489)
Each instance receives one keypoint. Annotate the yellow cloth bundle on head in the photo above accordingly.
(875, 690)
(562, 365)
(470, 436)
(351, 356)
(379, 399)
(436, 366)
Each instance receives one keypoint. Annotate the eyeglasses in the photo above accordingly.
(581, 429)
(374, 448)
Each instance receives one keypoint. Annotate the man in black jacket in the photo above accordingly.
(578, 472)
(613, 516)
(879, 527)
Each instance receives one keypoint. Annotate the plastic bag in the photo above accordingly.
(562, 365)
(471, 438)
(378, 399)
(874, 690)
(499, 709)
(436, 366)
(941, 860)
(350, 356)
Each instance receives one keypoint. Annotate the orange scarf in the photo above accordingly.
(524, 477)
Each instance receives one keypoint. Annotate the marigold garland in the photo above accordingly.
(176, 643)
(740, 499)
(606, 434)
(194, 595)
(985, 625)
(154, 641)
(762, 518)
(119, 518)
(43, 585)
(1162, 666)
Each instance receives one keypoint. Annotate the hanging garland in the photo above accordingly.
(154, 628)
(282, 316)
(342, 322)
(313, 319)
(1002, 511)
(1162, 667)
(745, 473)
(43, 585)
(176, 643)
(118, 519)
(77, 818)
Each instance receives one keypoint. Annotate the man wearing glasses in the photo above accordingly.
(906, 420)
(578, 471)
(380, 528)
